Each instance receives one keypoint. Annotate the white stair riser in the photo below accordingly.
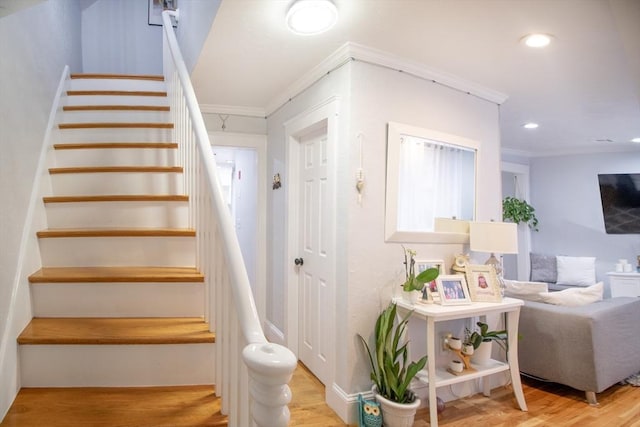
(114, 100)
(116, 84)
(118, 299)
(117, 251)
(114, 135)
(116, 365)
(117, 157)
(82, 184)
(117, 214)
(122, 116)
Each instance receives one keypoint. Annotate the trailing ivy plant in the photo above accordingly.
(517, 210)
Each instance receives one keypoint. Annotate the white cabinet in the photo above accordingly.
(624, 284)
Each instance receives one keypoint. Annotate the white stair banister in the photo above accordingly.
(229, 304)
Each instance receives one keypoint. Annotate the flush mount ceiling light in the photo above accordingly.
(530, 125)
(635, 140)
(309, 17)
(537, 40)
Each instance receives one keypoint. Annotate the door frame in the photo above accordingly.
(259, 144)
(524, 233)
(327, 111)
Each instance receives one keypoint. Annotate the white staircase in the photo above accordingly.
(118, 301)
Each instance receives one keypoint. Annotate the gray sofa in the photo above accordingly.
(588, 348)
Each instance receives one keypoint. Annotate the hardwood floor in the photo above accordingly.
(549, 405)
(191, 406)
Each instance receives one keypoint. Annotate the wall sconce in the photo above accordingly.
(276, 181)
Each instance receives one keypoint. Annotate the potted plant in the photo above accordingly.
(390, 371)
(481, 341)
(413, 284)
(517, 210)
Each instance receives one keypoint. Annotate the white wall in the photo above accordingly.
(566, 195)
(378, 96)
(368, 269)
(196, 17)
(36, 43)
(116, 38)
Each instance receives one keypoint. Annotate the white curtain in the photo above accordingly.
(429, 181)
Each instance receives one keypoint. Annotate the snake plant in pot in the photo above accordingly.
(391, 372)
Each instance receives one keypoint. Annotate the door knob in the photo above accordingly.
(298, 261)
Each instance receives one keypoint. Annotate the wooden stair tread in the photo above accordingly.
(110, 169)
(115, 108)
(116, 93)
(152, 77)
(177, 406)
(116, 330)
(133, 125)
(116, 232)
(116, 275)
(117, 145)
(118, 198)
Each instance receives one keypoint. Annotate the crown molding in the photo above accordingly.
(233, 110)
(355, 52)
(572, 151)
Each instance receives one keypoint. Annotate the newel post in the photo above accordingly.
(270, 369)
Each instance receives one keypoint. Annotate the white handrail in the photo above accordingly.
(229, 304)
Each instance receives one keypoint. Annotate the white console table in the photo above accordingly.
(624, 284)
(438, 376)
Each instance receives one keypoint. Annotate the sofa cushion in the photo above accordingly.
(574, 296)
(576, 271)
(529, 291)
(543, 268)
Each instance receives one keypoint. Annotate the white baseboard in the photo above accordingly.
(345, 405)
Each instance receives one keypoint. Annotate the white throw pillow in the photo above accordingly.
(576, 271)
(525, 290)
(573, 297)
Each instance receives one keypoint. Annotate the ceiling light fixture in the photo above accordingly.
(530, 125)
(537, 40)
(308, 17)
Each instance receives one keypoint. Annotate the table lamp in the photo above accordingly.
(494, 237)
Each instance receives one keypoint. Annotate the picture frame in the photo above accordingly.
(483, 283)
(453, 289)
(430, 290)
(156, 7)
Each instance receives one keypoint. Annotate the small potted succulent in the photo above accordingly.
(481, 341)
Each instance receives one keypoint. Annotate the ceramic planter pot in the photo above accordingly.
(468, 349)
(456, 366)
(455, 343)
(412, 296)
(482, 355)
(396, 414)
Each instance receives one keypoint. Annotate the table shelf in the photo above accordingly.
(445, 378)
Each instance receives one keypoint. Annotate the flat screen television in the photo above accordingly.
(620, 196)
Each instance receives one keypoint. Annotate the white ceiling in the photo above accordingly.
(583, 88)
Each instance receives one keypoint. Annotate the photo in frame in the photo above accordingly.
(156, 7)
(483, 283)
(453, 289)
(430, 290)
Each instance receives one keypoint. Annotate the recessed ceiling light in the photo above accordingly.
(635, 140)
(309, 17)
(530, 125)
(537, 40)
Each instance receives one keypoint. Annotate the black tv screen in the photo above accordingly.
(620, 196)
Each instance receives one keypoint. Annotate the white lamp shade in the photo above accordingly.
(493, 237)
(449, 225)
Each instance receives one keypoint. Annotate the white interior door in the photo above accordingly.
(315, 263)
